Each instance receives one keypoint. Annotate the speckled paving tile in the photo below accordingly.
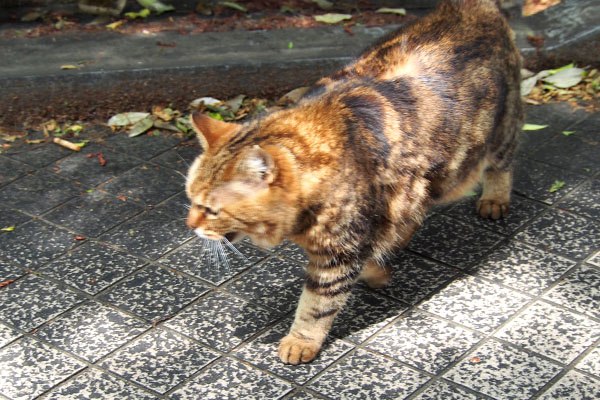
(10, 217)
(159, 360)
(177, 205)
(146, 183)
(275, 283)
(40, 155)
(93, 213)
(221, 321)
(595, 259)
(365, 313)
(474, 303)
(589, 127)
(262, 352)
(523, 267)
(7, 335)
(424, 342)
(154, 293)
(179, 158)
(12, 170)
(295, 253)
(558, 117)
(150, 234)
(29, 368)
(144, 146)
(91, 330)
(502, 372)
(34, 243)
(580, 291)
(80, 167)
(551, 331)
(591, 362)
(584, 201)
(39, 192)
(563, 233)
(574, 386)
(364, 375)
(521, 211)
(575, 152)
(196, 258)
(415, 278)
(231, 380)
(441, 390)
(534, 179)
(95, 384)
(10, 271)
(92, 267)
(452, 241)
(31, 301)
(302, 395)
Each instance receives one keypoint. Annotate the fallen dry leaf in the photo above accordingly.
(6, 283)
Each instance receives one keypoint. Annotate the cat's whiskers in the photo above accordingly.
(232, 247)
(223, 256)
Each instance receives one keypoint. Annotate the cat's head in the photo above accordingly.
(238, 190)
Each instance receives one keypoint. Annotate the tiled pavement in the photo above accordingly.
(112, 297)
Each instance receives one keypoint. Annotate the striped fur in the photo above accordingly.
(348, 173)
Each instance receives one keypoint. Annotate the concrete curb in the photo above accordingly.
(134, 72)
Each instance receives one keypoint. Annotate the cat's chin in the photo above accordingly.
(264, 241)
(234, 237)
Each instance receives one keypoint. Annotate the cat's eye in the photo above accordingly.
(210, 211)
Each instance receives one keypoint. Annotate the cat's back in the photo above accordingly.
(458, 37)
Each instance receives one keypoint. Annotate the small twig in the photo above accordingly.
(67, 144)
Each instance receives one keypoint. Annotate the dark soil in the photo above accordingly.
(260, 15)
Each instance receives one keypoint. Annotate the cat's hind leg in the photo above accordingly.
(495, 199)
(375, 275)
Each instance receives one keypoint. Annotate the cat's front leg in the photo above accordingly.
(325, 293)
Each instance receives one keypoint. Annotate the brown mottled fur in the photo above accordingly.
(348, 173)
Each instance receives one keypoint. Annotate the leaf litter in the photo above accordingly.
(579, 86)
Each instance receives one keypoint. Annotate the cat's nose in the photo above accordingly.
(192, 221)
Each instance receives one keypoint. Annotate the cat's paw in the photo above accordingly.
(493, 209)
(294, 351)
(376, 276)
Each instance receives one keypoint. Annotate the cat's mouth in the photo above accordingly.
(233, 237)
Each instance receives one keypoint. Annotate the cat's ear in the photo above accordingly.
(258, 165)
(209, 130)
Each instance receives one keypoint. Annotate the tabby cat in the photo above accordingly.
(349, 172)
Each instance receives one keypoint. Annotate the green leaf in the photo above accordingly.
(564, 67)
(82, 143)
(290, 45)
(386, 10)
(565, 78)
(471, 193)
(183, 124)
(144, 13)
(140, 127)
(8, 229)
(234, 5)
(533, 127)
(215, 115)
(128, 118)
(332, 18)
(156, 6)
(557, 185)
(568, 133)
